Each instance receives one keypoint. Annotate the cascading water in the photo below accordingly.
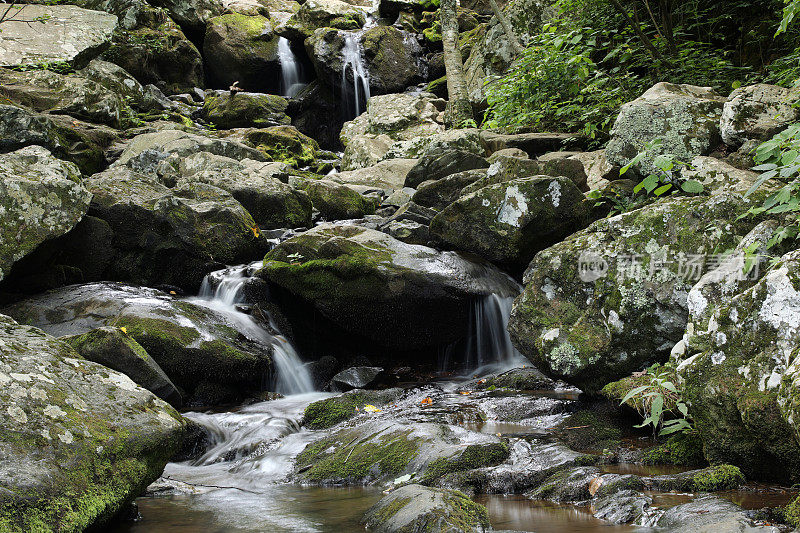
(352, 60)
(290, 69)
(222, 291)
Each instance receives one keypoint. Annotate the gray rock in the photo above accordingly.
(365, 150)
(194, 14)
(400, 116)
(408, 231)
(389, 174)
(418, 508)
(757, 112)
(441, 193)
(399, 197)
(335, 201)
(534, 144)
(315, 14)
(79, 440)
(565, 164)
(710, 514)
(69, 34)
(356, 377)
(436, 164)
(41, 198)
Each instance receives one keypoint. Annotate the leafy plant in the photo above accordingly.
(666, 177)
(660, 403)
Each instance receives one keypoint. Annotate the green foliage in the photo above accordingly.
(790, 11)
(60, 67)
(666, 177)
(660, 402)
(680, 449)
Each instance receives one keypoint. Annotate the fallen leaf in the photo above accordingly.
(426, 401)
(371, 409)
(481, 381)
(255, 231)
(465, 392)
(173, 292)
(595, 485)
(123, 330)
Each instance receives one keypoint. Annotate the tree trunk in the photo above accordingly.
(459, 110)
(512, 37)
(635, 27)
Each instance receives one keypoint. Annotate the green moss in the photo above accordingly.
(387, 512)
(469, 515)
(474, 456)
(330, 411)
(252, 26)
(721, 477)
(791, 513)
(683, 449)
(590, 431)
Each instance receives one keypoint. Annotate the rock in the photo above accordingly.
(337, 202)
(599, 172)
(418, 508)
(285, 144)
(524, 379)
(120, 82)
(115, 349)
(317, 112)
(171, 236)
(243, 48)
(412, 212)
(20, 128)
(244, 110)
(534, 144)
(685, 118)
(509, 222)
(79, 440)
(365, 150)
(594, 311)
(718, 176)
(709, 514)
(565, 164)
(192, 14)
(41, 198)
(326, 413)
(69, 34)
(379, 288)
(622, 507)
(757, 112)
(389, 174)
(408, 231)
(76, 96)
(400, 116)
(504, 169)
(508, 152)
(465, 140)
(738, 363)
(198, 348)
(399, 197)
(436, 164)
(315, 14)
(254, 184)
(356, 377)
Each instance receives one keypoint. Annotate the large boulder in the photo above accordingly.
(283, 143)
(76, 96)
(120, 82)
(171, 236)
(335, 201)
(739, 363)
(315, 14)
(200, 349)
(757, 112)
(365, 150)
(242, 110)
(192, 14)
(685, 118)
(41, 198)
(441, 193)
(256, 185)
(79, 441)
(389, 174)
(437, 163)
(400, 116)
(418, 508)
(612, 298)
(378, 288)
(243, 48)
(65, 34)
(509, 222)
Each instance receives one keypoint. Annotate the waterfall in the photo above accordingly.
(222, 291)
(290, 69)
(352, 59)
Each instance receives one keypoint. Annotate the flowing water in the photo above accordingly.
(290, 69)
(357, 92)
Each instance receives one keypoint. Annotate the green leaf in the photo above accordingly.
(657, 407)
(692, 187)
(661, 190)
(633, 393)
(682, 408)
(669, 386)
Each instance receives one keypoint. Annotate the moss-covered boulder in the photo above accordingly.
(437, 163)
(392, 58)
(612, 299)
(757, 112)
(256, 185)
(378, 288)
(243, 110)
(336, 201)
(41, 198)
(316, 14)
(198, 349)
(114, 348)
(418, 508)
(171, 236)
(400, 116)
(245, 49)
(439, 194)
(509, 222)
(740, 370)
(325, 413)
(684, 117)
(284, 144)
(79, 441)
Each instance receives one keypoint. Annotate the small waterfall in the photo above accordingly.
(352, 60)
(290, 69)
(222, 291)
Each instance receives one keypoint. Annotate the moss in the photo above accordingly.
(791, 513)
(438, 87)
(474, 456)
(590, 431)
(683, 449)
(252, 26)
(330, 411)
(721, 477)
(387, 512)
(468, 515)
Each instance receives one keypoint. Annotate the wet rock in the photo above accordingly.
(379, 288)
(685, 118)
(242, 48)
(356, 377)
(315, 14)
(244, 110)
(509, 222)
(389, 174)
(411, 212)
(322, 370)
(198, 349)
(337, 202)
(400, 116)
(69, 34)
(41, 198)
(115, 349)
(551, 323)
(522, 379)
(408, 231)
(711, 479)
(439, 194)
(709, 514)
(566, 485)
(326, 413)
(79, 440)
(757, 112)
(171, 236)
(436, 164)
(418, 508)
(623, 507)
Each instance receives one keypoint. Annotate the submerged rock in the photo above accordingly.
(79, 441)
(199, 349)
(381, 289)
(41, 198)
(418, 508)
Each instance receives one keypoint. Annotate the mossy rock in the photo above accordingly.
(335, 201)
(474, 456)
(284, 144)
(243, 110)
(682, 449)
(593, 430)
(325, 413)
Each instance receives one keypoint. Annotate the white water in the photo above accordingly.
(353, 60)
(290, 69)
(222, 291)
